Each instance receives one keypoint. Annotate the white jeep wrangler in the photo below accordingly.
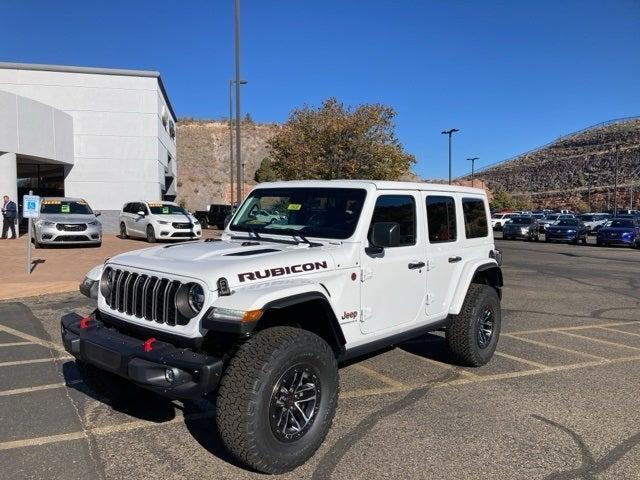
(264, 315)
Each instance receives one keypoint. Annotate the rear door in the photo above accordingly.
(394, 282)
(445, 254)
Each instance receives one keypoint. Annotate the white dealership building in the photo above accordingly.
(104, 135)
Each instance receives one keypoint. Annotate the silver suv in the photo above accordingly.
(68, 221)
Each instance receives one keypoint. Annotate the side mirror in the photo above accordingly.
(384, 235)
(227, 219)
(98, 214)
(141, 213)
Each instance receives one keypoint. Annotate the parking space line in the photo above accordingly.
(378, 376)
(136, 424)
(554, 347)
(522, 360)
(15, 344)
(619, 331)
(31, 338)
(39, 388)
(606, 342)
(578, 327)
(35, 360)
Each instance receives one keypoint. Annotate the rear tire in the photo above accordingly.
(151, 234)
(204, 223)
(472, 335)
(256, 401)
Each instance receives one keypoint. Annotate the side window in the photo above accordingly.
(126, 208)
(400, 209)
(144, 208)
(475, 218)
(441, 219)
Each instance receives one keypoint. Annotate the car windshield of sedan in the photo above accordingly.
(552, 217)
(620, 223)
(65, 207)
(589, 218)
(314, 212)
(166, 209)
(521, 220)
(568, 223)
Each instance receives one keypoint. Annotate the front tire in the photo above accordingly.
(472, 335)
(151, 234)
(277, 399)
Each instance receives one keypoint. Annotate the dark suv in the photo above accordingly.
(526, 227)
(214, 216)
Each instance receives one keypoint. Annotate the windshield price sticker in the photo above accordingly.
(65, 208)
(294, 206)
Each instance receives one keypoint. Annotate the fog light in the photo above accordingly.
(169, 375)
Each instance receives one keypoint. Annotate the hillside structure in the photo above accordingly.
(105, 135)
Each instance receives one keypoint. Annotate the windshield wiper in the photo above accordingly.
(253, 231)
(296, 233)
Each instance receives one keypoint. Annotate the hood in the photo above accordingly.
(240, 262)
(564, 227)
(68, 217)
(617, 230)
(178, 217)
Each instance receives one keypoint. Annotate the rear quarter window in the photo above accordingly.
(475, 218)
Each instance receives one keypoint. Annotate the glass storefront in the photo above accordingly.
(46, 180)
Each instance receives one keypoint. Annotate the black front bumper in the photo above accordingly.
(166, 369)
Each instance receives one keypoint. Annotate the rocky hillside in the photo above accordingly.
(575, 167)
(203, 159)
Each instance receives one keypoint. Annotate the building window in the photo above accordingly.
(441, 219)
(475, 218)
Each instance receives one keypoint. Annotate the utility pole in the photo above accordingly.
(615, 183)
(473, 162)
(236, 25)
(231, 140)
(588, 189)
(450, 132)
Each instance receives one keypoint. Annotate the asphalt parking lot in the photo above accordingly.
(559, 400)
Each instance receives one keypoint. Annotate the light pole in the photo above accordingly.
(615, 183)
(473, 162)
(450, 132)
(236, 25)
(231, 82)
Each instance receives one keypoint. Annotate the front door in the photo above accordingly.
(444, 251)
(394, 281)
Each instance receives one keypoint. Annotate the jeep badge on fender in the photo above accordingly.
(306, 275)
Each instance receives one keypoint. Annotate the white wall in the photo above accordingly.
(8, 185)
(119, 144)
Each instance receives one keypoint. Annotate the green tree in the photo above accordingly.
(265, 172)
(334, 141)
(502, 200)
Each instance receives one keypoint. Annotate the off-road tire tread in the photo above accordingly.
(462, 345)
(239, 388)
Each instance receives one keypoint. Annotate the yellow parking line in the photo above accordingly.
(50, 386)
(559, 329)
(619, 331)
(378, 376)
(522, 360)
(554, 347)
(31, 338)
(606, 342)
(15, 344)
(35, 360)
(33, 442)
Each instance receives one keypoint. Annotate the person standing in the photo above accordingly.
(9, 216)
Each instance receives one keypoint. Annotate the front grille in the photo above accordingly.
(183, 234)
(182, 226)
(72, 238)
(144, 296)
(71, 227)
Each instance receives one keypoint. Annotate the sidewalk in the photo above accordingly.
(56, 269)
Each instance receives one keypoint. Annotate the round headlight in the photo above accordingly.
(106, 282)
(196, 297)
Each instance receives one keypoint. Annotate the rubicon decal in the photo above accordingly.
(280, 271)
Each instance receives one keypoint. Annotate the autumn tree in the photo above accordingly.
(265, 172)
(334, 141)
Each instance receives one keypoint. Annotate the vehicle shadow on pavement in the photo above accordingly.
(433, 347)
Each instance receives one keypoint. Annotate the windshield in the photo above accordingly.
(65, 207)
(521, 220)
(538, 216)
(588, 218)
(498, 216)
(620, 223)
(552, 217)
(568, 223)
(164, 209)
(313, 212)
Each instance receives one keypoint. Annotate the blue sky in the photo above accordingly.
(511, 75)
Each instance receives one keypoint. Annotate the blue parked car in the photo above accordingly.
(620, 231)
(572, 230)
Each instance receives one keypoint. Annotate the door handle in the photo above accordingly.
(455, 259)
(416, 265)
